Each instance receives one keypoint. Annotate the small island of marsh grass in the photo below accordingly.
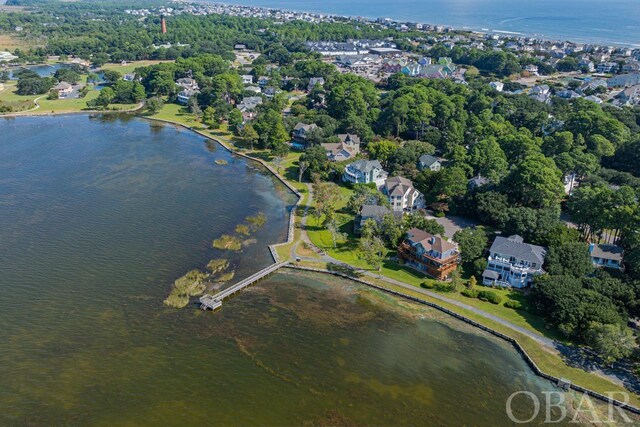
(217, 265)
(225, 277)
(190, 285)
(243, 229)
(227, 242)
(257, 221)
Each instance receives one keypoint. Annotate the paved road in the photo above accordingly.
(453, 223)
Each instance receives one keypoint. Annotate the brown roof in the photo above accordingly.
(398, 186)
(429, 241)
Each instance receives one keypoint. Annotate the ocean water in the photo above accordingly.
(592, 21)
(99, 215)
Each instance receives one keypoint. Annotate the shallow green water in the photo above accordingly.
(99, 216)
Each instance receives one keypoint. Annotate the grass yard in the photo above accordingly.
(130, 66)
(26, 102)
(10, 42)
(346, 251)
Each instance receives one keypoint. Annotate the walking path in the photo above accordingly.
(547, 342)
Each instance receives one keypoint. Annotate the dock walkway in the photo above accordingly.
(211, 302)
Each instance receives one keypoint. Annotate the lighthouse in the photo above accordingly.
(163, 24)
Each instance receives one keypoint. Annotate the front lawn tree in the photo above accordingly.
(611, 342)
(472, 242)
(248, 133)
(372, 248)
(572, 259)
(154, 105)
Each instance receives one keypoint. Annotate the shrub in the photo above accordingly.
(439, 215)
(426, 285)
(225, 277)
(489, 296)
(516, 305)
(471, 293)
(445, 287)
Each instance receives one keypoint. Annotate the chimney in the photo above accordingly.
(163, 24)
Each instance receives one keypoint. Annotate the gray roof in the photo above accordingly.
(490, 274)
(611, 252)
(366, 166)
(305, 126)
(428, 160)
(374, 211)
(478, 181)
(514, 246)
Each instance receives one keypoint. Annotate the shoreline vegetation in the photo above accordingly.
(195, 282)
(179, 297)
(228, 242)
(513, 128)
(548, 361)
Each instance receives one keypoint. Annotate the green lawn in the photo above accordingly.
(346, 251)
(26, 102)
(130, 67)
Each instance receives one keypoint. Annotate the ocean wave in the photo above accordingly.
(504, 21)
(506, 32)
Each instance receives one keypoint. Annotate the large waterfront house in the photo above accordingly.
(429, 254)
(513, 263)
(427, 161)
(607, 67)
(365, 172)
(402, 195)
(348, 147)
(64, 89)
(629, 96)
(185, 95)
(609, 256)
(624, 80)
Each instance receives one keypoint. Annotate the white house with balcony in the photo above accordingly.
(513, 263)
(402, 195)
(365, 172)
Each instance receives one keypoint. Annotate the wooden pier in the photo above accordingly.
(211, 302)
